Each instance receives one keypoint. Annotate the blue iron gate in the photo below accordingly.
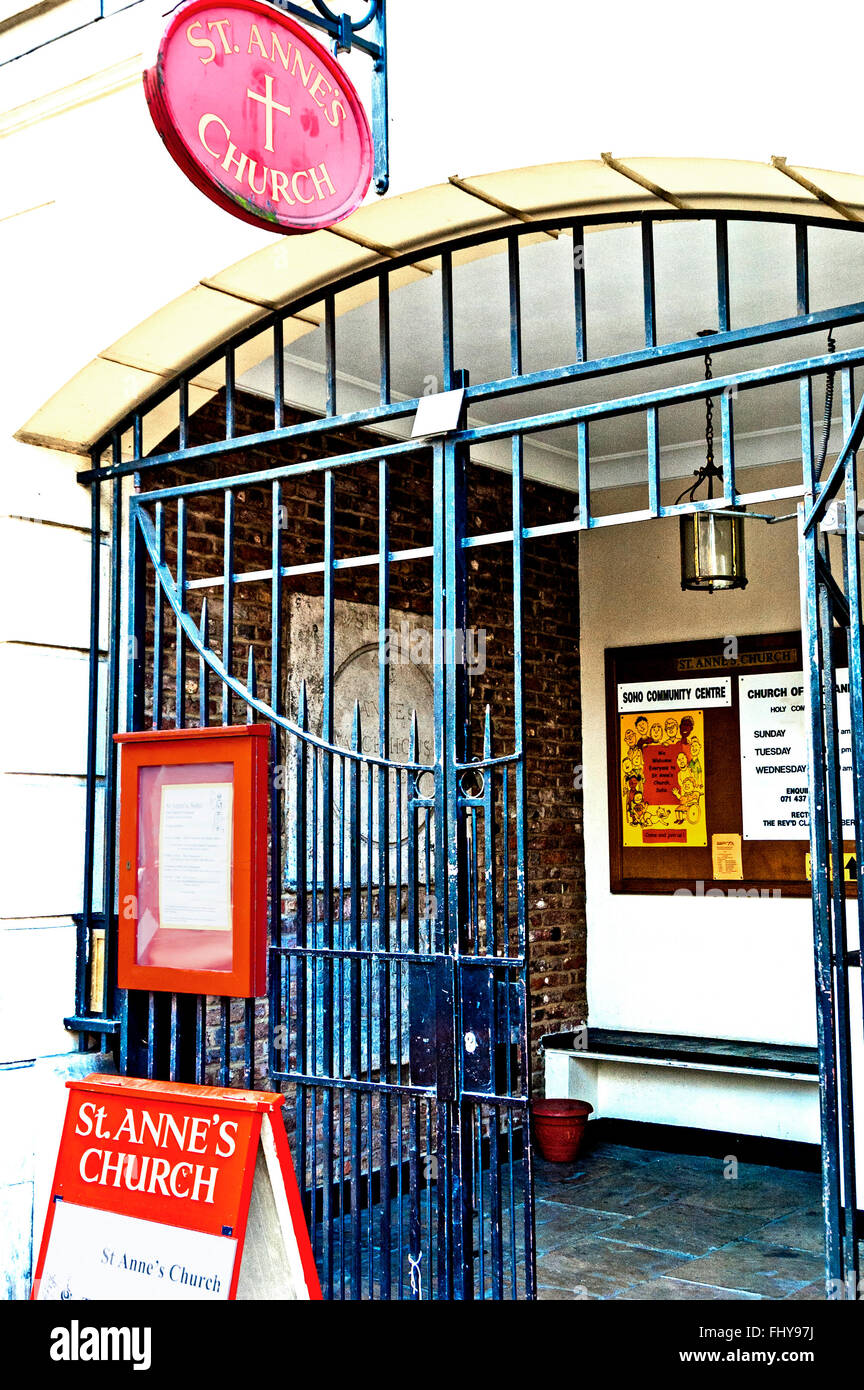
(397, 1016)
(405, 919)
(831, 607)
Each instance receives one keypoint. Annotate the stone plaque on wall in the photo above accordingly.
(355, 685)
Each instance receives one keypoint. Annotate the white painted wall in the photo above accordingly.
(44, 683)
(704, 966)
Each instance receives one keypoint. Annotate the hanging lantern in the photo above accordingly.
(712, 543)
(712, 552)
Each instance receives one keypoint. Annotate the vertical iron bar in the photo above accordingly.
(802, 269)
(649, 308)
(204, 670)
(447, 318)
(180, 670)
(721, 244)
(327, 976)
(505, 861)
(134, 709)
(369, 947)
(183, 414)
(727, 446)
(819, 889)
(227, 662)
(158, 621)
(229, 394)
(438, 942)
(278, 374)
(839, 935)
(249, 1003)
(151, 1036)
(225, 1053)
(384, 973)
(522, 945)
(301, 812)
(173, 1071)
(200, 1018)
(514, 281)
(277, 1002)
(384, 336)
(228, 601)
(380, 101)
(581, 326)
(200, 1039)
(653, 447)
(330, 352)
(457, 750)
(727, 433)
(85, 930)
(355, 832)
(650, 320)
(490, 943)
(851, 562)
(579, 301)
(343, 1023)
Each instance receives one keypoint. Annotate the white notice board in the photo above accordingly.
(774, 780)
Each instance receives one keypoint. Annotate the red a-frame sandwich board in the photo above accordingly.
(160, 1190)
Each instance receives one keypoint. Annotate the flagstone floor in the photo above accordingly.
(626, 1223)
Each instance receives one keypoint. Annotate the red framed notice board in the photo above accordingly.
(193, 860)
(166, 1191)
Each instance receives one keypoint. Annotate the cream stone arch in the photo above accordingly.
(129, 371)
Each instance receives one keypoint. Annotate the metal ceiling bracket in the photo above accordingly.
(347, 34)
(654, 188)
(779, 162)
(474, 192)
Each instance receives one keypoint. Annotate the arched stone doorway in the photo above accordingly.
(243, 503)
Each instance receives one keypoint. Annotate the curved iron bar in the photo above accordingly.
(169, 589)
(478, 391)
(325, 9)
(479, 765)
(752, 379)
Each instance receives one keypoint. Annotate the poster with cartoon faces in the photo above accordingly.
(662, 778)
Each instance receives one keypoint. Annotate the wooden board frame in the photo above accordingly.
(246, 748)
(775, 867)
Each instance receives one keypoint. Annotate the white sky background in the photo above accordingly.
(476, 86)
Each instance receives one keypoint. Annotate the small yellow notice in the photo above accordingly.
(850, 867)
(726, 856)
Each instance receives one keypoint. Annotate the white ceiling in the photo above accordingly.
(762, 277)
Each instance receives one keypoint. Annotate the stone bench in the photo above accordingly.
(765, 1089)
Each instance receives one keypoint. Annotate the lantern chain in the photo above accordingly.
(709, 470)
(709, 417)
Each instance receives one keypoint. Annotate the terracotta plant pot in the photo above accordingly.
(559, 1126)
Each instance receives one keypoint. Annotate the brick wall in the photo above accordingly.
(555, 867)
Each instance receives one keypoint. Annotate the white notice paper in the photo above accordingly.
(96, 1254)
(774, 777)
(195, 836)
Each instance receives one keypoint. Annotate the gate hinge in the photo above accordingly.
(833, 522)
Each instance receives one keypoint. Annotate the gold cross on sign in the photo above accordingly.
(270, 106)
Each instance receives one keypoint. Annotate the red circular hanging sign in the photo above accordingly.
(259, 116)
